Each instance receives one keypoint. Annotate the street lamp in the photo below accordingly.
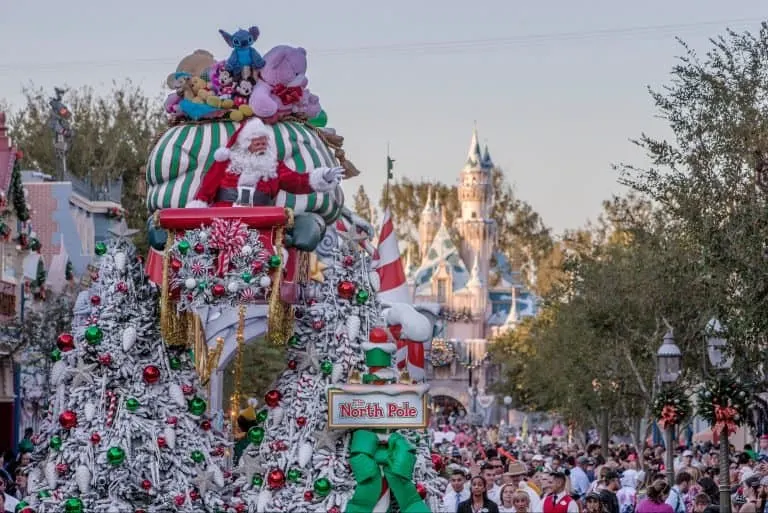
(668, 360)
(473, 394)
(507, 403)
(720, 360)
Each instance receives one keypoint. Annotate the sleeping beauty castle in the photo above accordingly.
(478, 292)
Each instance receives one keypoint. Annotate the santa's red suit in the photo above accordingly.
(222, 186)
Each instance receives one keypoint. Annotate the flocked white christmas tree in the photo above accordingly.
(128, 431)
(293, 463)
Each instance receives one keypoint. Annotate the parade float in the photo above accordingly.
(250, 238)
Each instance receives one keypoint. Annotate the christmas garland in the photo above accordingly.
(442, 354)
(671, 407)
(723, 403)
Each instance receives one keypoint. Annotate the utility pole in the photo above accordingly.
(60, 121)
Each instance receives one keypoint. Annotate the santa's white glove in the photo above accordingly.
(334, 175)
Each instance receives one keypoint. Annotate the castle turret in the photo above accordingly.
(428, 225)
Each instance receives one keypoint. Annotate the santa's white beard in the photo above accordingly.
(252, 167)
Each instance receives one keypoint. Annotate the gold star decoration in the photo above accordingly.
(316, 268)
(82, 374)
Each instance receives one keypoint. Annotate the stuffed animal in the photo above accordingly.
(244, 59)
(195, 64)
(283, 82)
(309, 106)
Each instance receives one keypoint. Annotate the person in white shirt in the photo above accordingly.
(8, 502)
(514, 475)
(488, 472)
(456, 493)
(559, 496)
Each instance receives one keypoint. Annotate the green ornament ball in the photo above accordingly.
(183, 247)
(326, 367)
(246, 277)
(55, 442)
(197, 406)
(262, 416)
(56, 355)
(132, 404)
(73, 505)
(257, 480)
(322, 487)
(275, 261)
(197, 456)
(319, 121)
(362, 296)
(174, 362)
(256, 435)
(294, 475)
(100, 248)
(201, 286)
(93, 335)
(21, 505)
(115, 456)
(293, 341)
(43, 494)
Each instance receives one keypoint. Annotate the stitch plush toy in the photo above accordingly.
(244, 59)
(283, 83)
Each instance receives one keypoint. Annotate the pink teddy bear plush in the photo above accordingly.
(282, 86)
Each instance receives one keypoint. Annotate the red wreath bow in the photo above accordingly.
(724, 417)
(288, 95)
(228, 236)
(668, 416)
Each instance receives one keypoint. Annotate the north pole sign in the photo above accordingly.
(378, 407)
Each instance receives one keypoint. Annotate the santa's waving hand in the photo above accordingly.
(247, 173)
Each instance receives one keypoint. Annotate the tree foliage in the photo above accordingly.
(363, 206)
(112, 136)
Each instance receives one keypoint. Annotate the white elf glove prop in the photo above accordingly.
(196, 204)
(323, 179)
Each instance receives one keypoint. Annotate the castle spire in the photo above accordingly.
(428, 206)
(487, 162)
(474, 157)
(474, 279)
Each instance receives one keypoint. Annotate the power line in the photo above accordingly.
(648, 32)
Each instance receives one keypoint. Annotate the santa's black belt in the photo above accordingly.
(249, 196)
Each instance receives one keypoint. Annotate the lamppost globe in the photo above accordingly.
(507, 400)
(668, 359)
(716, 344)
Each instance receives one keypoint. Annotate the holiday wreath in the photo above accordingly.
(442, 354)
(723, 402)
(671, 407)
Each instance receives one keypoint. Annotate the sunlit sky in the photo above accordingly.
(557, 88)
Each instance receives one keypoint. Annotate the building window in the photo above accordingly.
(441, 291)
(474, 215)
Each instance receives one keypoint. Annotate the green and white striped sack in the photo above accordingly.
(181, 157)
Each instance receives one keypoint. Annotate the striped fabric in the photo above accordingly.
(390, 266)
(184, 153)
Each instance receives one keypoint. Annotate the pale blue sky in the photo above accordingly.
(556, 110)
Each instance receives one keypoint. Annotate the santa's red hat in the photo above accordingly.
(248, 130)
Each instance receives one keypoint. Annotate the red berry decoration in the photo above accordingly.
(95, 438)
(161, 442)
(240, 508)
(105, 359)
(172, 421)
(199, 248)
(257, 266)
(176, 265)
(122, 287)
(308, 496)
(151, 374)
(194, 495)
(65, 342)
(318, 324)
(95, 300)
(346, 289)
(334, 509)
(146, 484)
(422, 490)
(68, 419)
(272, 398)
(276, 479)
(179, 500)
(301, 421)
(292, 364)
(348, 260)
(187, 389)
(205, 425)
(218, 290)
(62, 468)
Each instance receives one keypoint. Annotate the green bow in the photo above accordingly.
(396, 459)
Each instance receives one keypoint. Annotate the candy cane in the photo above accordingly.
(112, 408)
(382, 505)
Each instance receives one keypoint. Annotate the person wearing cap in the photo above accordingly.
(579, 478)
(559, 501)
(514, 476)
(592, 503)
(608, 493)
(456, 493)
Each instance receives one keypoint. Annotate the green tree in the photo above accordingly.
(113, 134)
(363, 206)
(262, 363)
(704, 178)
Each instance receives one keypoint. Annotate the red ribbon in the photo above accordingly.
(228, 236)
(724, 417)
(288, 95)
(668, 416)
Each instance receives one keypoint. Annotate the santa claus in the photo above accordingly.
(247, 173)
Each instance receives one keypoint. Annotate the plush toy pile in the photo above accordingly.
(272, 87)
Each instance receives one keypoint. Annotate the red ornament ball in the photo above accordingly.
(422, 490)
(349, 260)
(272, 398)
(309, 496)
(205, 425)
(378, 335)
(68, 419)
(61, 468)
(346, 289)
(95, 438)
(199, 248)
(151, 374)
(318, 324)
(437, 461)
(95, 300)
(105, 359)
(179, 500)
(194, 495)
(334, 509)
(301, 421)
(176, 265)
(218, 290)
(292, 364)
(122, 287)
(171, 420)
(146, 484)
(65, 342)
(161, 441)
(276, 479)
(240, 508)
(187, 389)
(257, 266)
